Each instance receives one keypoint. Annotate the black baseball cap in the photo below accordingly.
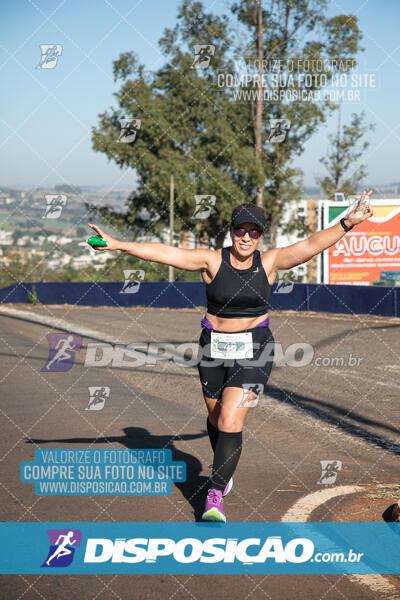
(248, 213)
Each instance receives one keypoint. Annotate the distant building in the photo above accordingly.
(20, 255)
(306, 210)
(5, 238)
(64, 240)
(23, 241)
(58, 262)
(80, 262)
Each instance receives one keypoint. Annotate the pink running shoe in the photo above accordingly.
(214, 507)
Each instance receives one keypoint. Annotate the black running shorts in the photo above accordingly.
(216, 373)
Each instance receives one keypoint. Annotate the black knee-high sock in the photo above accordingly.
(226, 457)
(212, 433)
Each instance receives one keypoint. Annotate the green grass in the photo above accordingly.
(33, 297)
(392, 492)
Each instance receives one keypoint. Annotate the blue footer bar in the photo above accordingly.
(286, 548)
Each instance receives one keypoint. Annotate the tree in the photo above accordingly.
(186, 130)
(16, 235)
(345, 149)
(213, 141)
(303, 52)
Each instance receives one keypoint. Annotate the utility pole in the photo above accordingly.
(257, 117)
(171, 224)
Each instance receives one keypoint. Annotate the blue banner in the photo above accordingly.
(334, 298)
(207, 548)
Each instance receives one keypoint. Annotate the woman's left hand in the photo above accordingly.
(362, 211)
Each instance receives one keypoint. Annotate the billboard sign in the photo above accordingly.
(368, 254)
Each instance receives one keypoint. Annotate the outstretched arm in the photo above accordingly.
(301, 252)
(181, 258)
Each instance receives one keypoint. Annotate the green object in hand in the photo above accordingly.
(96, 241)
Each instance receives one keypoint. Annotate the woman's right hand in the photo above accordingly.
(112, 243)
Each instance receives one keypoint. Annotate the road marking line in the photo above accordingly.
(302, 509)
(70, 327)
(364, 378)
(300, 513)
(61, 324)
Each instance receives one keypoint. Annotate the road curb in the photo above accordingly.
(54, 322)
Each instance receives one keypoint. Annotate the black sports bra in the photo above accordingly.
(238, 293)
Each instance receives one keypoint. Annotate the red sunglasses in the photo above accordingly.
(241, 232)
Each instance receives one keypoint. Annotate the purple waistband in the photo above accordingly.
(206, 323)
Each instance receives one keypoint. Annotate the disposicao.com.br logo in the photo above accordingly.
(247, 551)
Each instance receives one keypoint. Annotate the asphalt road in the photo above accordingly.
(333, 395)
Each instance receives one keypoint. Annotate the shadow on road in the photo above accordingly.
(357, 328)
(316, 408)
(195, 486)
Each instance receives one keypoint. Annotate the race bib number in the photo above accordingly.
(231, 345)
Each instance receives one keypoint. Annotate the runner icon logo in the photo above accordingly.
(50, 55)
(133, 279)
(129, 130)
(330, 470)
(54, 205)
(278, 130)
(202, 55)
(63, 543)
(251, 394)
(204, 206)
(62, 351)
(98, 397)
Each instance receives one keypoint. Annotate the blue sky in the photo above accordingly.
(47, 115)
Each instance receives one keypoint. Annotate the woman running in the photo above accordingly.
(236, 344)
